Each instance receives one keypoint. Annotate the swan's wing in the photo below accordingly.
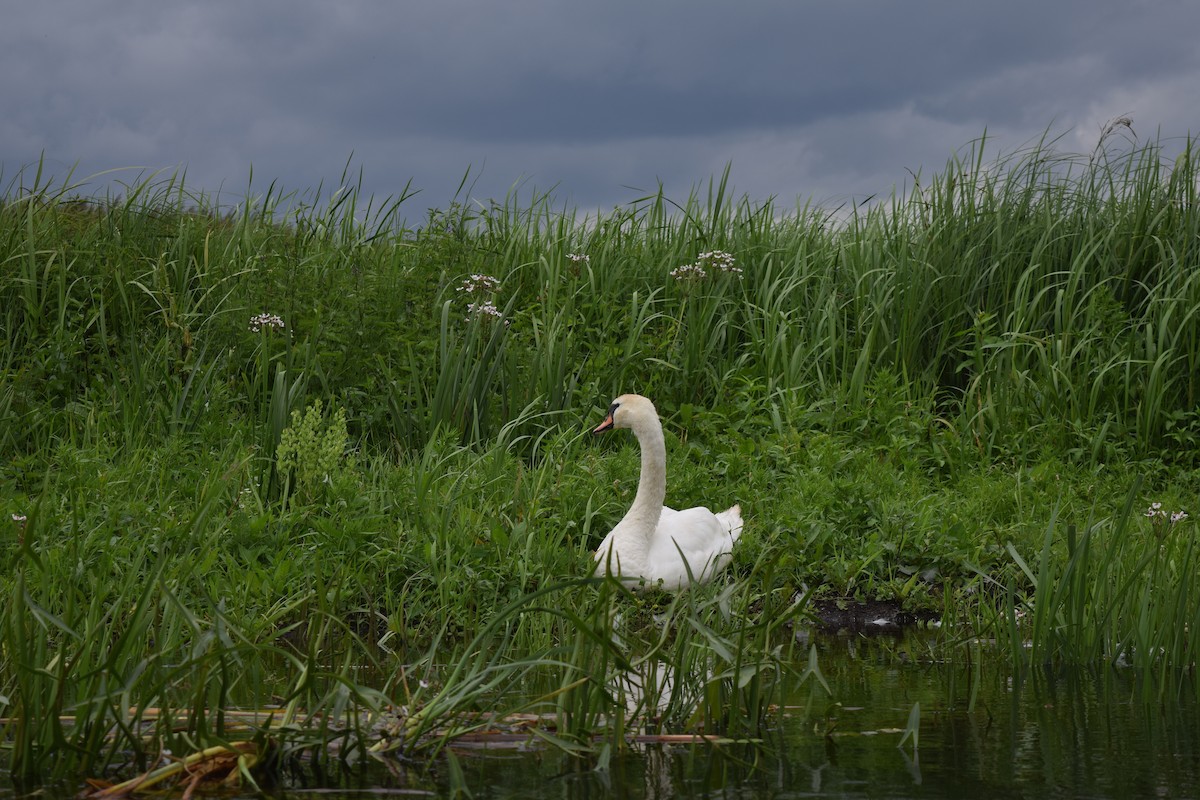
(702, 539)
(731, 518)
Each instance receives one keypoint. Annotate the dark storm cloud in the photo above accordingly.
(804, 99)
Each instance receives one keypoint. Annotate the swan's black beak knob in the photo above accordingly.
(608, 423)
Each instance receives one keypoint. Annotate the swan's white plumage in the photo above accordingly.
(653, 543)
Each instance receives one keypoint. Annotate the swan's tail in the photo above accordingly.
(731, 518)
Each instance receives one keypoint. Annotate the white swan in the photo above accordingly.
(653, 543)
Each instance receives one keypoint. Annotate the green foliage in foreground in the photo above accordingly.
(116, 678)
(216, 427)
(1126, 594)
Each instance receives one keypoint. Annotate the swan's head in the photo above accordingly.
(627, 411)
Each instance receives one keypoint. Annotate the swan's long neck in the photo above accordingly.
(626, 551)
(652, 485)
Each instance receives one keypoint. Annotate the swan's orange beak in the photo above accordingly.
(604, 426)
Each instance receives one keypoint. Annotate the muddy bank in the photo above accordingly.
(871, 616)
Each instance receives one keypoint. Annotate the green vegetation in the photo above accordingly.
(245, 452)
(1123, 595)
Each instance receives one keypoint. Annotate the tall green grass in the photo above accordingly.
(1045, 288)
(1122, 593)
(1035, 307)
(125, 670)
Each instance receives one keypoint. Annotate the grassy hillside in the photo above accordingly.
(221, 428)
(896, 391)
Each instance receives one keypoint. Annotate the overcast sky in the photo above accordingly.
(600, 101)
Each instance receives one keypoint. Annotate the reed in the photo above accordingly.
(122, 675)
(1123, 595)
(1017, 289)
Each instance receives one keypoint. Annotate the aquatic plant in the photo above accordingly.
(1122, 596)
(134, 672)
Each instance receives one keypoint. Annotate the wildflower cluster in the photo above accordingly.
(244, 497)
(1156, 512)
(720, 261)
(689, 272)
(268, 321)
(711, 261)
(1159, 517)
(488, 309)
(478, 284)
(578, 262)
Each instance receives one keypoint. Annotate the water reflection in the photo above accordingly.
(984, 733)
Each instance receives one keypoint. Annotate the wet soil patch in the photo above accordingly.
(842, 613)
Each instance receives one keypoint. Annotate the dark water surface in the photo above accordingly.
(1081, 735)
(1077, 735)
(1085, 735)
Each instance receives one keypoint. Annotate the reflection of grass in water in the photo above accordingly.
(707, 661)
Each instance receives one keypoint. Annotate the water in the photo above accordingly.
(1082, 735)
(1077, 735)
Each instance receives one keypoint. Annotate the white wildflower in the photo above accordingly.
(478, 283)
(689, 272)
(710, 261)
(486, 310)
(269, 321)
(720, 261)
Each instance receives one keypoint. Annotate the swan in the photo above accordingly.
(652, 543)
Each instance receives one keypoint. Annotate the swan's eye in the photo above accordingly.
(613, 408)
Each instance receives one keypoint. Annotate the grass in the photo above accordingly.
(913, 401)
(119, 677)
(1123, 595)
